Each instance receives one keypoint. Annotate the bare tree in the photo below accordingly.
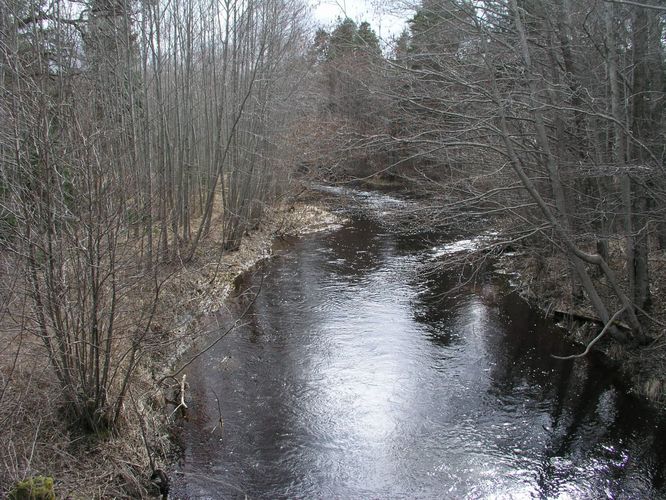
(123, 123)
(569, 97)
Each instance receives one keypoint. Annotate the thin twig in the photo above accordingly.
(218, 339)
(143, 432)
(220, 421)
(651, 318)
(596, 339)
(638, 4)
(182, 398)
(32, 449)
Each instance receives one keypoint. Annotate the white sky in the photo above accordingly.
(386, 24)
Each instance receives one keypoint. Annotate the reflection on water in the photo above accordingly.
(355, 379)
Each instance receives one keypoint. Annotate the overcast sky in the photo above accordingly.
(384, 23)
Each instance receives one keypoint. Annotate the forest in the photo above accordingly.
(143, 139)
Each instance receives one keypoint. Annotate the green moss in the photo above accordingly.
(34, 488)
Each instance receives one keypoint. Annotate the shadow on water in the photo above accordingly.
(356, 376)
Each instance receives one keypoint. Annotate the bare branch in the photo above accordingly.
(638, 4)
(595, 339)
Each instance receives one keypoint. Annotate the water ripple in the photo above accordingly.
(358, 378)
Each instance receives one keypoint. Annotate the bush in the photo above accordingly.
(34, 488)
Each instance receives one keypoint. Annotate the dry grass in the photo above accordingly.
(36, 438)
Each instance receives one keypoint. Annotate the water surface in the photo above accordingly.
(359, 374)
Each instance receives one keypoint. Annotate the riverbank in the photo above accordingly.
(36, 439)
(358, 348)
(541, 284)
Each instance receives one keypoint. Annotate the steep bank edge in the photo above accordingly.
(202, 289)
(643, 367)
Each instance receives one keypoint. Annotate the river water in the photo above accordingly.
(356, 375)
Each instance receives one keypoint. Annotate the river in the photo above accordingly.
(359, 374)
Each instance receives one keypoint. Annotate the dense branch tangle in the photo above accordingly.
(568, 94)
(126, 128)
